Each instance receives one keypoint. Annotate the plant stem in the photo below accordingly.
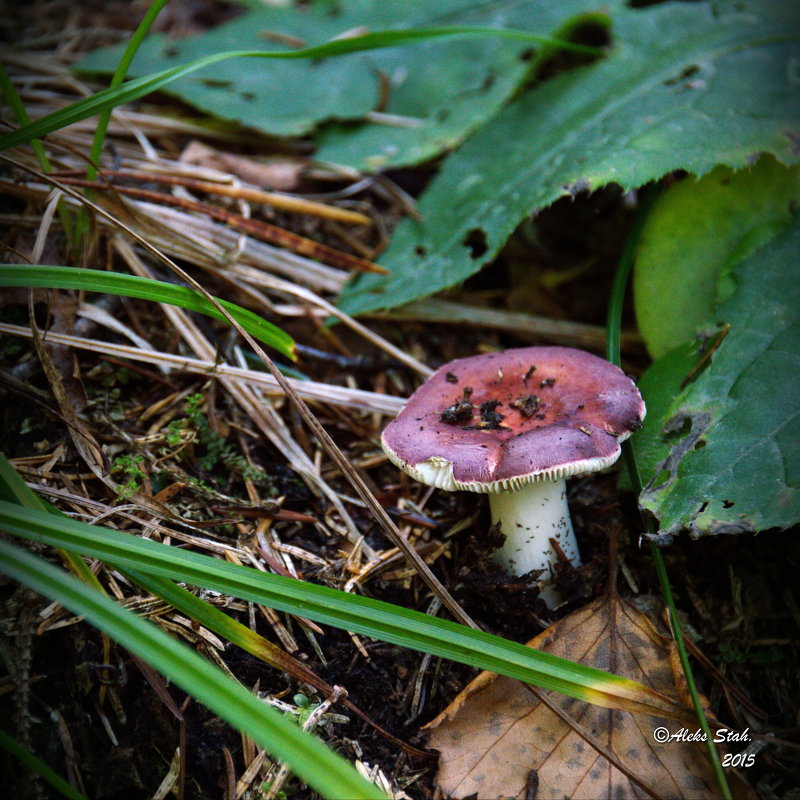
(614, 325)
(119, 76)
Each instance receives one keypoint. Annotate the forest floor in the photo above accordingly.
(96, 715)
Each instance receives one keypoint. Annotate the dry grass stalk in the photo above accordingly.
(245, 395)
(195, 239)
(575, 334)
(227, 186)
(313, 391)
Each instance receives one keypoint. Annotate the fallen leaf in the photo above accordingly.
(282, 173)
(498, 740)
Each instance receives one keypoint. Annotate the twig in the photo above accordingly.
(313, 391)
(522, 325)
(285, 202)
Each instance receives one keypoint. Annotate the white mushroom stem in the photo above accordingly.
(529, 518)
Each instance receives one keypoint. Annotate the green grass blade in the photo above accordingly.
(14, 489)
(220, 623)
(309, 759)
(139, 87)
(342, 610)
(116, 79)
(95, 280)
(39, 767)
(21, 115)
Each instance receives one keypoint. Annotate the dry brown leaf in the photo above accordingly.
(276, 173)
(497, 740)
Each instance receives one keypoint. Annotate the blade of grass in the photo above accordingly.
(14, 488)
(361, 488)
(21, 115)
(38, 766)
(116, 79)
(134, 89)
(220, 623)
(614, 327)
(93, 280)
(312, 761)
(342, 610)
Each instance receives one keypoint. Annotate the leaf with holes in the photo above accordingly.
(731, 440)
(686, 86)
(428, 95)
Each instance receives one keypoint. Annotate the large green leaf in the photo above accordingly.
(729, 461)
(687, 86)
(135, 88)
(694, 231)
(443, 89)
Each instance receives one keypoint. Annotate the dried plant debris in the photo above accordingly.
(193, 445)
(526, 405)
(490, 419)
(463, 409)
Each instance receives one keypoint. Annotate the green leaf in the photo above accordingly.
(343, 610)
(95, 280)
(695, 230)
(686, 86)
(659, 386)
(322, 769)
(285, 99)
(139, 87)
(439, 93)
(731, 458)
(443, 89)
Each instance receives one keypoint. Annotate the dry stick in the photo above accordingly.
(285, 202)
(197, 239)
(308, 417)
(524, 325)
(262, 230)
(255, 276)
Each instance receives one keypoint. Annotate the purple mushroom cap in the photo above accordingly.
(501, 420)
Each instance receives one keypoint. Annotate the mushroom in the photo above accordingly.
(515, 424)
